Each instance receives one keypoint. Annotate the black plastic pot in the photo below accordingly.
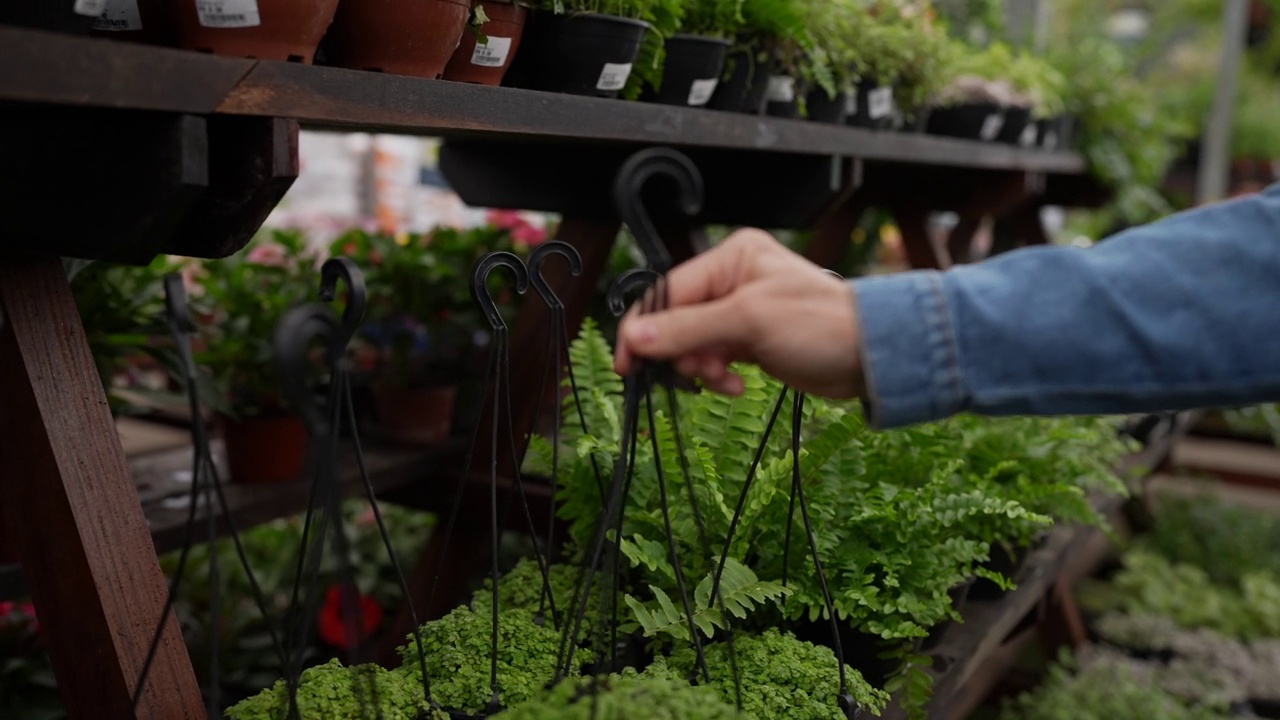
(972, 122)
(56, 15)
(742, 88)
(1266, 708)
(1057, 133)
(874, 109)
(1015, 128)
(692, 71)
(825, 109)
(781, 98)
(580, 54)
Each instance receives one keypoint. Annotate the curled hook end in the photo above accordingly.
(480, 284)
(539, 256)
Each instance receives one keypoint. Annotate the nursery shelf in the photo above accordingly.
(90, 72)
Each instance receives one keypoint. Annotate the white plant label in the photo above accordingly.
(992, 126)
(781, 89)
(701, 91)
(851, 103)
(613, 76)
(93, 8)
(1028, 137)
(880, 103)
(493, 53)
(120, 15)
(228, 13)
(1051, 140)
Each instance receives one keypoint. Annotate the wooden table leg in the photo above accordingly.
(833, 231)
(68, 497)
(922, 253)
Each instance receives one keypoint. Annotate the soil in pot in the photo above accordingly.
(144, 21)
(744, 85)
(579, 54)
(286, 30)
(874, 108)
(825, 109)
(487, 63)
(56, 16)
(780, 97)
(972, 122)
(692, 71)
(415, 416)
(268, 449)
(1018, 128)
(402, 37)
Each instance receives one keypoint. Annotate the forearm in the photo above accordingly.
(1181, 313)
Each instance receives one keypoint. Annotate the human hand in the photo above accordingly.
(750, 299)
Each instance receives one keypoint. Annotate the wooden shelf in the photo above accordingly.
(91, 72)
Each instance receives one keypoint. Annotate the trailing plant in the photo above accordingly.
(457, 648)
(783, 677)
(665, 18)
(776, 35)
(712, 18)
(617, 697)
(522, 589)
(333, 692)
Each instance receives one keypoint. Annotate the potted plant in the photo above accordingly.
(286, 30)
(334, 692)
(240, 299)
(457, 650)
(582, 47)
(490, 42)
(694, 58)
(838, 27)
(617, 697)
(772, 53)
(404, 37)
(978, 102)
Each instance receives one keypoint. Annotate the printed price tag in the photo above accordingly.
(992, 126)
(493, 53)
(701, 91)
(1028, 137)
(782, 89)
(120, 15)
(851, 103)
(92, 8)
(880, 103)
(228, 13)
(614, 76)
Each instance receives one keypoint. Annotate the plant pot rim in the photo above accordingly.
(710, 39)
(603, 16)
(972, 106)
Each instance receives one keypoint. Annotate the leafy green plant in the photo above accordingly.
(1227, 541)
(776, 35)
(1255, 134)
(782, 677)
(333, 692)
(241, 299)
(712, 18)
(901, 46)
(457, 648)
(661, 694)
(1141, 632)
(740, 593)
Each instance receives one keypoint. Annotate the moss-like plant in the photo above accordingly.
(334, 692)
(457, 648)
(630, 695)
(782, 677)
(1142, 632)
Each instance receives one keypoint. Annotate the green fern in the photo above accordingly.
(740, 592)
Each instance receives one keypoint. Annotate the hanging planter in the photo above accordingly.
(143, 21)
(402, 37)
(415, 415)
(975, 121)
(265, 449)
(874, 107)
(286, 30)
(486, 62)
(692, 70)
(744, 87)
(580, 54)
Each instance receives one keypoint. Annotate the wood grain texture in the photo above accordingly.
(67, 495)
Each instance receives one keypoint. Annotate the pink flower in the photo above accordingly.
(269, 254)
(529, 235)
(505, 219)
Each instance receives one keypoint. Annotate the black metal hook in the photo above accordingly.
(539, 256)
(625, 284)
(638, 170)
(298, 329)
(346, 270)
(175, 305)
(480, 283)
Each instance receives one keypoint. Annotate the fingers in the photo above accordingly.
(682, 331)
(719, 271)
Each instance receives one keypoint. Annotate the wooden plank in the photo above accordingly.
(1240, 462)
(90, 72)
(70, 506)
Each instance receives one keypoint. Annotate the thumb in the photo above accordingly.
(684, 330)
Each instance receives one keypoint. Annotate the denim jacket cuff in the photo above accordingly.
(909, 354)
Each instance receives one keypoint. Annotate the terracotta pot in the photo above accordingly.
(417, 416)
(403, 37)
(487, 64)
(267, 449)
(144, 21)
(287, 30)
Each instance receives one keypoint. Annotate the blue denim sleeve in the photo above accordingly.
(1178, 314)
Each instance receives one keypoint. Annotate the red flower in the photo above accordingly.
(505, 219)
(333, 629)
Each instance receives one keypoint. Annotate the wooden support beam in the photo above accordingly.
(67, 494)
